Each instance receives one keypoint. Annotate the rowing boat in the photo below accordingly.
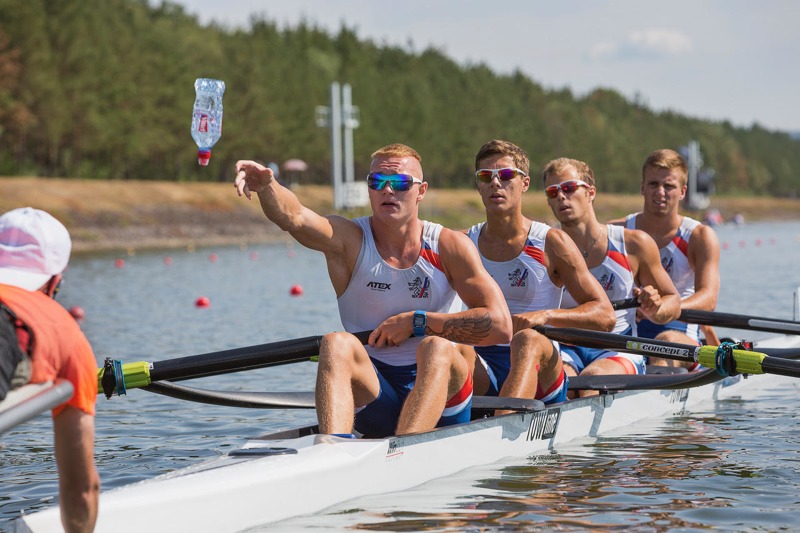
(297, 472)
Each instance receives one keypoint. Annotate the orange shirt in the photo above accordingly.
(60, 350)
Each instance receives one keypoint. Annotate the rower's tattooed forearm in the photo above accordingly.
(470, 330)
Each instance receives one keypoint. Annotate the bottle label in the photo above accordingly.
(203, 125)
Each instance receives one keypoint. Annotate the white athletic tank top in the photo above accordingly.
(377, 291)
(523, 280)
(616, 278)
(675, 255)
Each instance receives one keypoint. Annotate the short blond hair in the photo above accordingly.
(668, 160)
(397, 150)
(504, 148)
(557, 166)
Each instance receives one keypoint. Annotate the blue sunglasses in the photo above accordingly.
(398, 182)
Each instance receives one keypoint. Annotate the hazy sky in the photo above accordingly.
(736, 60)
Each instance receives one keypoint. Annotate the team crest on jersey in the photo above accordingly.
(607, 281)
(519, 277)
(666, 262)
(420, 287)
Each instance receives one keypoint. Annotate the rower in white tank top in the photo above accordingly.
(675, 260)
(616, 278)
(526, 286)
(378, 291)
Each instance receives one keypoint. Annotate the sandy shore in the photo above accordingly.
(130, 215)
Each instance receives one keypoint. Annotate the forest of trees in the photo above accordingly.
(103, 89)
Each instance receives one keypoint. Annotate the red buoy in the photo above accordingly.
(296, 290)
(254, 256)
(168, 260)
(119, 263)
(202, 302)
(213, 257)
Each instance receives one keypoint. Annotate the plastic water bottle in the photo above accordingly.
(207, 116)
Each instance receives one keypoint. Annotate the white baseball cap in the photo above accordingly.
(34, 247)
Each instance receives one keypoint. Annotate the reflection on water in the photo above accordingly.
(734, 467)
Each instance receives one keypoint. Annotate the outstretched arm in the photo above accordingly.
(284, 209)
(336, 237)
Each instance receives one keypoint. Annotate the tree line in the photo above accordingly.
(103, 89)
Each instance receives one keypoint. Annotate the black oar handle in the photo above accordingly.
(627, 303)
(728, 320)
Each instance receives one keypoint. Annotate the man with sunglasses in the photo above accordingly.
(402, 278)
(531, 262)
(624, 261)
(689, 250)
(40, 342)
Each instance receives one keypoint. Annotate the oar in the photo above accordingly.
(728, 320)
(305, 400)
(625, 304)
(725, 360)
(725, 320)
(118, 377)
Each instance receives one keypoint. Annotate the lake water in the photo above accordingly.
(733, 466)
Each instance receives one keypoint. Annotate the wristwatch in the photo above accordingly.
(420, 323)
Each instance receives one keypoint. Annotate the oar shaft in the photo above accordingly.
(248, 358)
(620, 343)
(238, 359)
(728, 320)
(783, 367)
(141, 374)
(746, 362)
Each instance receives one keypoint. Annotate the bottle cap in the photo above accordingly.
(203, 156)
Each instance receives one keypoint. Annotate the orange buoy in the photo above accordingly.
(296, 290)
(202, 302)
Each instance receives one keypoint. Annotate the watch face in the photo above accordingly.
(419, 321)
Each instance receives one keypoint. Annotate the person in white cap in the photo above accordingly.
(44, 343)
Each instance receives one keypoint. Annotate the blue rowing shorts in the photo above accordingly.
(379, 418)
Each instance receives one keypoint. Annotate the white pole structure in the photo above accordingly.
(342, 115)
(692, 163)
(336, 145)
(347, 120)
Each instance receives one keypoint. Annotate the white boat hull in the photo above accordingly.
(312, 472)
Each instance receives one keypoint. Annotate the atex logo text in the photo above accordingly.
(378, 286)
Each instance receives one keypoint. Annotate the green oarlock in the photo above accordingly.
(136, 375)
(747, 362)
